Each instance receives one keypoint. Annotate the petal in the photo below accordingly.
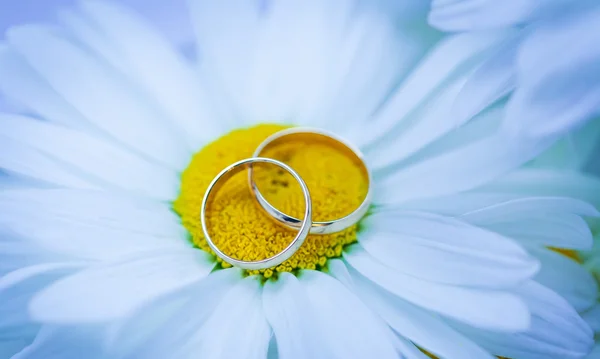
(459, 169)
(409, 350)
(103, 225)
(449, 59)
(17, 252)
(575, 151)
(270, 70)
(111, 291)
(425, 329)
(237, 318)
(552, 229)
(454, 205)
(595, 353)
(540, 182)
(559, 76)
(520, 208)
(556, 332)
(19, 159)
(373, 56)
(173, 322)
(285, 304)
(94, 160)
(445, 250)
(493, 80)
(20, 83)
(426, 127)
(461, 15)
(17, 289)
(66, 343)
(12, 347)
(592, 317)
(459, 101)
(479, 308)
(567, 278)
(101, 94)
(347, 328)
(150, 61)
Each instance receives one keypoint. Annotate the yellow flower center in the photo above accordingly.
(240, 229)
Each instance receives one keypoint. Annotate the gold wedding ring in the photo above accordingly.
(313, 135)
(303, 226)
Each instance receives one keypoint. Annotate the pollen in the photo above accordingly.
(235, 222)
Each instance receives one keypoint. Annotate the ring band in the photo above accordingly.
(325, 227)
(303, 228)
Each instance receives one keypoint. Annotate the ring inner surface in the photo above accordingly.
(328, 167)
(222, 208)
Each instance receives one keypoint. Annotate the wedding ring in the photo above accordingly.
(311, 135)
(302, 228)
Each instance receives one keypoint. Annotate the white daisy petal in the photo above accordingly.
(423, 328)
(559, 81)
(148, 59)
(226, 34)
(344, 316)
(17, 158)
(259, 68)
(567, 278)
(551, 229)
(236, 329)
(455, 204)
(522, 207)
(66, 343)
(98, 92)
(495, 310)
(285, 303)
(450, 58)
(11, 347)
(556, 332)
(104, 225)
(373, 55)
(183, 314)
(573, 152)
(110, 291)
(21, 84)
(494, 79)
(427, 127)
(445, 250)
(460, 169)
(16, 290)
(16, 252)
(278, 87)
(408, 349)
(592, 317)
(595, 353)
(461, 15)
(547, 182)
(92, 159)
(23, 274)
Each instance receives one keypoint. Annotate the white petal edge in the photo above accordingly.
(445, 250)
(113, 290)
(480, 308)
(414, 323)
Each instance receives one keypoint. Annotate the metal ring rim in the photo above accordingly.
(325, 227)
(294, 245)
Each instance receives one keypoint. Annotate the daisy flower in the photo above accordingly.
(106, 166)
(553, 61)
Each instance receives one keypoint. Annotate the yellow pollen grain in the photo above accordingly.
(240, 229)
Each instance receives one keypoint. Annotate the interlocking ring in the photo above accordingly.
(305, 133)
(303, 226)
